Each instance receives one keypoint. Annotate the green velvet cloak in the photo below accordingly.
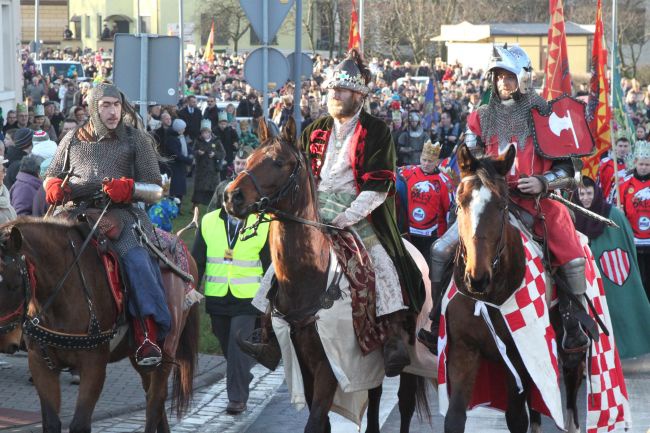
(374, 170)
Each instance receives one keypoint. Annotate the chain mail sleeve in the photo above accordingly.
(58, 161)
(146, 167)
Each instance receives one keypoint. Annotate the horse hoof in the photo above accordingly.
(535, 428)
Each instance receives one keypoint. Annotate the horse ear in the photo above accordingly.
(289, 131)
(504, 164)
(466, 161)
(15, 241)
(263, 130)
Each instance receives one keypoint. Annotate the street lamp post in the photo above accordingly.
(180, 33)
(36, 44)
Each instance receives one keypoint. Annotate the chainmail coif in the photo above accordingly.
(505, 121)
(103, 90)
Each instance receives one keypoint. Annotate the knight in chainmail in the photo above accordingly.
(492, 129)
(110, 153)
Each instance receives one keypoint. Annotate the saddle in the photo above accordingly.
(179, 293)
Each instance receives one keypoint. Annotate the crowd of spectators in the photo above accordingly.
(217, 91)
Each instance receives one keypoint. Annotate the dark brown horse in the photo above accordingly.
(35, 254)
(490, 267)
(300, 253)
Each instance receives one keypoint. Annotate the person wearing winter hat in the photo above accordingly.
(239, 164)
(180, 154)
(27, 183)
(22, 115)
(43, 145)
(209, 155)
(41, 122)
(21, 148)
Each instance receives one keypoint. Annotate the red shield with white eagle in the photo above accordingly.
(563, 131)
(615, 265)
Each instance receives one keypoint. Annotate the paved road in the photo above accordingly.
(269, 411)
(122, 393)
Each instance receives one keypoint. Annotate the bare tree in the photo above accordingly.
(230, 19)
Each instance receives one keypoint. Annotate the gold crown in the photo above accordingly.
(431, 150)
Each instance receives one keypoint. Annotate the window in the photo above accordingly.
(87, 25)
(100, 27)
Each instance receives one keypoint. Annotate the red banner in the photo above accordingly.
(558, 77)
(354, 40)
(598, 111)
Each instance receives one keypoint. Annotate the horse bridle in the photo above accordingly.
(501, 246)
(11, 321)
(292, 183)
(264, 204)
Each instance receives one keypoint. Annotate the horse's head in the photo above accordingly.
(12, 290)
(274, 173)
(482, 199)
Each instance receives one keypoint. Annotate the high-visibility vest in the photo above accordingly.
(243, 272)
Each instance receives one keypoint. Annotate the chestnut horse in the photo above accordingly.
(277, 175)
(35, 255)
(489, 267)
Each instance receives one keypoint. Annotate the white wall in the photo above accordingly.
(10, 72)
(475, 55)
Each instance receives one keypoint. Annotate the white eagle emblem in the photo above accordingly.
(425, 186)
(643, 194)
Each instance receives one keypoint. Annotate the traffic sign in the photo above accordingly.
(161, 66)
(278, 69)
(275, 15)
(306, 65)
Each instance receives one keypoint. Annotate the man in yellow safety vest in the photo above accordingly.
(231, 271)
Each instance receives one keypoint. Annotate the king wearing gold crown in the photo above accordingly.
(424, 195)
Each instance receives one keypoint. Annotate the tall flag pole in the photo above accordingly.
(558, 77)
(598, 111)
(354, 39)
(208, 54)
(615, 83)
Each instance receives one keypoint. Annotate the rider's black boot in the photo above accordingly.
(265, 353)
(430, 337)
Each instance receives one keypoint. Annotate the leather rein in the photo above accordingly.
(264, 204)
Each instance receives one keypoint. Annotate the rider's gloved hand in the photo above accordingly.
(54, 193)
(119, 190)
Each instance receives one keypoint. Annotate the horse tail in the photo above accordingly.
(186, 358)
(421, 399)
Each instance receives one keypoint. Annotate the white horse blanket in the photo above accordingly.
(354, 372)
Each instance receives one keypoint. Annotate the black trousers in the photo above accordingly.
(423, 244)
(238, 367)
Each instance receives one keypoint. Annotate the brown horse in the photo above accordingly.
(35, 254)
(277, 175)
(490, 267)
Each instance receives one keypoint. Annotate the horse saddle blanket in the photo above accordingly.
(180, 294)
(526, 315)
(354, 371)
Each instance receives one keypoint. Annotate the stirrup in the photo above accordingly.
(148, 355)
